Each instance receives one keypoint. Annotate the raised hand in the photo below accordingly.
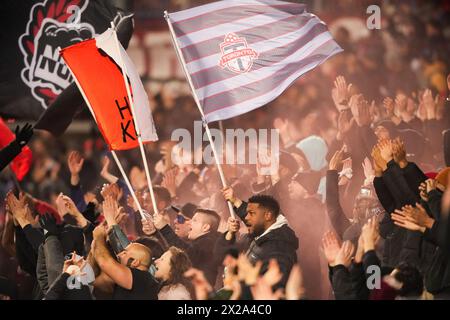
(294, 286)
(399, 152)
(273, 274)
(160, 220)
(233, 227)
(336, 160)
(19, 209)
(431, 184)
(228, 194)
(369, 172)
(341, 93)
(110, 210)
(360, 110)
(105, 174)
(429, 104)
(413, 218)
(331, 247)
(345, 122)
(111, 190)
(345, 254)
(423, 191)
(24, 134)
(246, 271)
(169, 181)
(379, 164)
(370, 234)
(75, 163)
(389, 106)
(263, 291)
(401, 102)
(201, 285)
(74, 266)
(385, 148)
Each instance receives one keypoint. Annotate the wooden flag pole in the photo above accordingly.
(136, 125)
(116, 159)
(197, 102)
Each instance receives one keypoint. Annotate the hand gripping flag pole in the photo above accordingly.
(197, 102)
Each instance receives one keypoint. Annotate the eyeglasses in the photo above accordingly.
(181, 219)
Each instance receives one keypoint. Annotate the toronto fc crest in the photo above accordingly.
(237, 56)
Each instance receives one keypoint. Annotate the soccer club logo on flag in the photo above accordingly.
(97, 65)
(241, 54)
(236, 55)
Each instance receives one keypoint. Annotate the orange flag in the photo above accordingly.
(101, 81)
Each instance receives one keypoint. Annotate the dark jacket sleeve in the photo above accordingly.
(370, 258)
(398, 186)
(335, 213)
(341, 283)
(387, 226)
(76, 194)
(414, 177)
(54, 257)
(56, 290)
(26, 256)
(173, 240)
(41, 270)
(434, 203)
(223, 245)
(241, 211)
(358, 281)
(34, 236)
(8, 154)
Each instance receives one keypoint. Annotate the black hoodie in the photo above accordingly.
(280, 244)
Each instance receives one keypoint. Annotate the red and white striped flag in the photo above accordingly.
(242, 54)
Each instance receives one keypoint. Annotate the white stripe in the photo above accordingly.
(260, 47)
(143, 115)
(244, 79)
(189, 13)
(254, 103)
(234, 26)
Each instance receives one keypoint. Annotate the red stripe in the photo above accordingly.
(254, 34)
(259, 85)
(299, 43)
(182, 28)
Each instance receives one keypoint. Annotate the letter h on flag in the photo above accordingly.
(95, 65)
(242, 54)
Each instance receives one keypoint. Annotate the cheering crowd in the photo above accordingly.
(358, 208)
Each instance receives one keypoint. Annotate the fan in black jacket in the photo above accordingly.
(271, 236)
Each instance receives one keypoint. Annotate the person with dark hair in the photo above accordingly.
(163, 202)
(183, 219)
(200, 241)
(170, 269)
(272, 238)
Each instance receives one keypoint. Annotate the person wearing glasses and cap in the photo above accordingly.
(182, 224)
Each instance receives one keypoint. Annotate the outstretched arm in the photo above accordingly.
(119, 273)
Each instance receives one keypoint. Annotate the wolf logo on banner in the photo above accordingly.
(236, 55)
(50, 27)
